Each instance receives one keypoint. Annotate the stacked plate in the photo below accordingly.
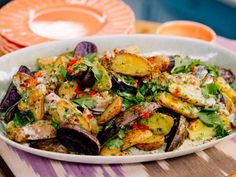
(24, 23)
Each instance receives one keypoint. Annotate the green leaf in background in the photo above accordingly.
(220, 131)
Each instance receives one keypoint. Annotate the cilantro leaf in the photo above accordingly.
(21, 120)
(114, 143)
(85, 102)
(220, 131)
(209, 119)
(54, 124)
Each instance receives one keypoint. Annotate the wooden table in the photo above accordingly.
(218, 161)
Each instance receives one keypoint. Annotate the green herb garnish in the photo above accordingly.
(85, 102)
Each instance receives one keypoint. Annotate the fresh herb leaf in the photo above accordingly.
(121, 134)
(212, 70)
(21, 120)
(127, 96)
(90, 57)
(114, 143)
(184, 64)
(209, 119)
(54, 124)
(220, 131)
(139, 97)
(63, 71)
(85, 102)
(214, 108)
(97, 73)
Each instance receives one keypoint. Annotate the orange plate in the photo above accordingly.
(27, 22)
(187, 29)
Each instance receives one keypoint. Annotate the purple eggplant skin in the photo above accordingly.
(84, 48)
(52, 145)
(126, 119)
(87, 79)
(12, 96)
(78, 140)
(172, 63)
(177, 134)
(227, 74)
(10, 113)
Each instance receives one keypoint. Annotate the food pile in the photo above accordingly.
(85, 102)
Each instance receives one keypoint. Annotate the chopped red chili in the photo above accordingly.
(77, 91)
(176, 92)
(193, 70)
(92, 93)
(90, 116)
(135, 125)
(70, 70)
(146, 115)
(38, 74)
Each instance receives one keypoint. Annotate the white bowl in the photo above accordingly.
(148, 43)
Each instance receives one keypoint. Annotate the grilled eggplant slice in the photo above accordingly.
(226, 74)
(131, 64)
(177, 135)
(87, 79)
(126, 119)
(78, 140)
(52, 145)
(123, 82)
(174, 103)
(12, 96)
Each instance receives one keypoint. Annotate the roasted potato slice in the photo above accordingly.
(131, 64)
(191, 94)
(23, 105)
(36, 103)
(225, 88)
(93, 121)
(59, 63)
(23, 82)
(152, 143)
(111, 111)
(106, 151)
(177, 105)
(159, 123)
(199, 131)
(46, 63)
(104, 82)
(41, 129)
(229, 104)
(67, 112)
(159, 64)
(67, 90)
(135, 136)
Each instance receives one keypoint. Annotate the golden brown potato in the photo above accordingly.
(152, 143)
(46, 63)
(159, 64)
(177, 105)
(225, 88)
(23, 82)
(229, 104)
(36, 103)
(111, 111)
(131, 64)
(67, 112)
(135, 136)
(92, 120)
(67, 90)
(23, 106)
(190, 93)
(59, 63)
(41, 129)
(159, 123)
(106, 151)
(199, 131)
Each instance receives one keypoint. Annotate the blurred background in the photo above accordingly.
(218, 14)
